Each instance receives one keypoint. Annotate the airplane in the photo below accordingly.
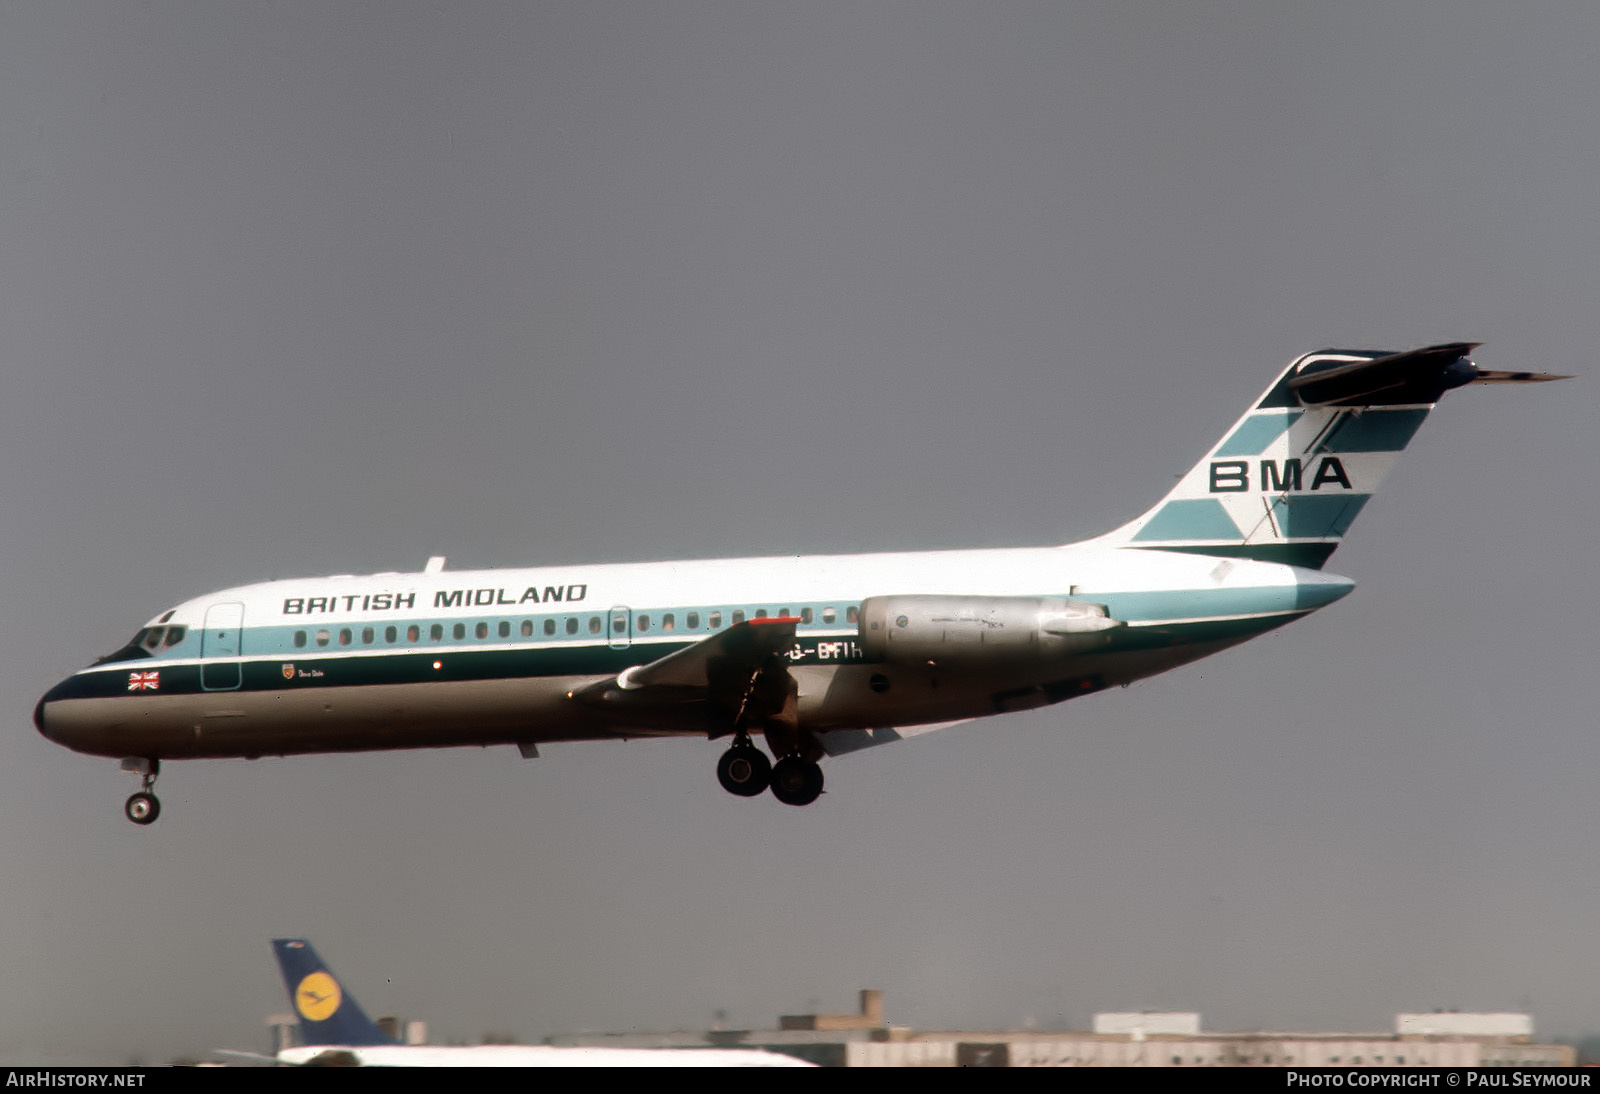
(819, 656)
(336, 1032)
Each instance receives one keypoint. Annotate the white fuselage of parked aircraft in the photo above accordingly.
(818, 655)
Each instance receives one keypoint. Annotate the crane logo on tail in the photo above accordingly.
(317, 997)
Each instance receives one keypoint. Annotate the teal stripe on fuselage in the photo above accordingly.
(280, 639)
(1189, 604)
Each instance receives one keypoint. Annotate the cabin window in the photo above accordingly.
(761, 613)
(805, 615)
(344, 636)
(390, 634)
(413, 633)
(482, 630)
(716, 620)
(738, 617)
(785, 614)
(667, 622)
(367, 636)
(850, 614)
(322, 638)
(829, 615)
(692, 621)
(549, 626)
(299, 639)
(594, 624)
(572, 624)
(527, 628)
(459, 631)
(644, 623)
(436, 632)
(175, 635)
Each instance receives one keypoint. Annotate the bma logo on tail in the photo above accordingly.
(1286, 482)
(1233, 476)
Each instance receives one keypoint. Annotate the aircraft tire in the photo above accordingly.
(142, 808)
(796, 781)
(744, 770)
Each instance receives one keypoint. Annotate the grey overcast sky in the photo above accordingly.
(305, 288)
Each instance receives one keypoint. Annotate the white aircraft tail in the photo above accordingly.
(1288, 480)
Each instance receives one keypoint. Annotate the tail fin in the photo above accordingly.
(1286, 482)
(328, 1014)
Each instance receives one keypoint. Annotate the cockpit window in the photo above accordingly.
(175, 635)
(134, 650)
(152, 637)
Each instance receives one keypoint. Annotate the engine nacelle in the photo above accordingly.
(973, 630)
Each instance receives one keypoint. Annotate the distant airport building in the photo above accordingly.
(1124, 1039)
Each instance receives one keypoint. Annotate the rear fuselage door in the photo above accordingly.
(221, 638)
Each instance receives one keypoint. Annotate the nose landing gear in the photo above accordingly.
(143, 807)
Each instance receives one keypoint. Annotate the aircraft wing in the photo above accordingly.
(725, 673)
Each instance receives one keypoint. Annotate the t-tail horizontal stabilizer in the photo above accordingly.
(1288, 480)
(1417, 376)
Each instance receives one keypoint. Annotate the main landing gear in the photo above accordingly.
(745, 770)
(143, 807)
(768, 700)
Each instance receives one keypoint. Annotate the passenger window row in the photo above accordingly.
(571, 626)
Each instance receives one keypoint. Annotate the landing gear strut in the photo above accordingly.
(143, 807)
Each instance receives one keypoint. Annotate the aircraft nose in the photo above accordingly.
(40, 716)
(46, 714)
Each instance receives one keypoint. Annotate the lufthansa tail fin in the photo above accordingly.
(328, 1014)
(1286, 482)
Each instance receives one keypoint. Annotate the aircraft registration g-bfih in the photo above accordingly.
(336, 1032)
(819, 655)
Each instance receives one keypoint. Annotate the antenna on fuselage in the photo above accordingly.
(435, 564)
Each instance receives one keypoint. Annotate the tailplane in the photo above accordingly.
(328, 1014)
(1286, 482)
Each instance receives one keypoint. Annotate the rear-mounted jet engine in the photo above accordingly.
(977, 630)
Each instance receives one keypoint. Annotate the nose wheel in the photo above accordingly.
(143, 807)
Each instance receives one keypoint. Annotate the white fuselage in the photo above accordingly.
(441, 658)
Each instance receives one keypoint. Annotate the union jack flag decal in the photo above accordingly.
(144, 681)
